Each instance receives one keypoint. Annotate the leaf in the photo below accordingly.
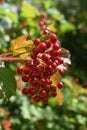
(8, 13)
(21, 45)
(66, 26)
(55, 78)
(28, 11)
(60, 97)
(65, 53)
(8, 82)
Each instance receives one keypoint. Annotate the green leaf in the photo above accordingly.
(64, 27)
(28, 11)
(9, 13)
(8, 82)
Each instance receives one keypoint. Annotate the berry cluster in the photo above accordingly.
(43, 21)
(45, 58)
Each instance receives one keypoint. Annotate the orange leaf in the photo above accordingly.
(21, 45)
(60, 97)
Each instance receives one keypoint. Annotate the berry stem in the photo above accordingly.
(10, 59)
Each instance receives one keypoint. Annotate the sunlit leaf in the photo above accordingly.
(64, 27)
(60, 97)
(55, 78)
(21, 45)
(28, 11)
(52, 27)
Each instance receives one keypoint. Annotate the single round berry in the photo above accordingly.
(25, 78)
(45, 100)
(48, 43)
(58, 52)
(42, 93)
(42, 47)
(54, 65)
(37, 41)
(35, 51)
(43, 15)
(25, 91)
(25, 70)
(32, 91)
(19, 70)
(36, 98)
(60, 85)
(45, 32)
(33, 56)
(53, 38)
(56, 46)
(61, 72)
(28, 65)
(42, 81)
(60, 60)
(52, 89)
(53, 94)
(36, 62)
(45, 57)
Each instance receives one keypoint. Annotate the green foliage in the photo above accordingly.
(8, 83)
(70, 25)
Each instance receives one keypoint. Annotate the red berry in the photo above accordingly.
(33, 56)
(40, 69)
(25, 70)
(19, 70)
(53, 94)
(34, 82)
(60, 85)
(36, 62)
(37, 41)
(48, 43)
(49, 62)
(28, 65)
(36, 98)
(45, 100)
(60, 60)
(54, 65)
(42, 81)
(56, 46)
(53, 38)
(61, 72)
(45, 32)
(45, 57)
(35, 51)
(52, 89)
(25, 78)
(42, 47)
(42, 93)
(48, 81)
(32, 91)
(43, 15)
(25, 91)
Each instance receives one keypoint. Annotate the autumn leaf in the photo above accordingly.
(21, 46)
(60, 97)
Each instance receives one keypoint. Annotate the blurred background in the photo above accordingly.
(17, 17)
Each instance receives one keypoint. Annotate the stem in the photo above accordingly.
(9, 59)
(5, 54)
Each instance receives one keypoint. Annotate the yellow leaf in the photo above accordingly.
(52, 27)
(60, 97)
(21, 45)
(28, 11)
(55, 78)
